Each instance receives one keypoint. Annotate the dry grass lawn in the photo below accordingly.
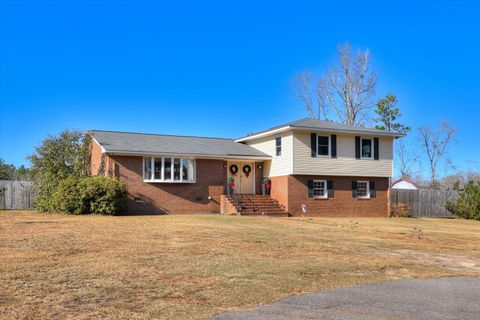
(191, 267)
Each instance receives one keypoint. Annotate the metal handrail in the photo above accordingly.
(253, 204)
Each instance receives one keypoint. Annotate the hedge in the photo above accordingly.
(90, 195)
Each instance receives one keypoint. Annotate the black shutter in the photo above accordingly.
(357, 147)
(313, 144)
(373, 192)
(330, 188)
(375, 148)
(354, 189)
(333, 141)
(310, 188)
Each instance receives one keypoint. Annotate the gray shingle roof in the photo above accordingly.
(310, 123)
(142, 143)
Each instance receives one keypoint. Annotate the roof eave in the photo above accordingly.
(264, 134)
(193, 155)
(353, 131)
(290, 127)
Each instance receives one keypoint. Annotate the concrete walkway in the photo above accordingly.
(444, 298)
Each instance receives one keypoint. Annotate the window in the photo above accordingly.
(320, 189)
(176, 169)
(323, 145)
(278, 146)
(158, 169)
(147, 169)
(366, 148)
(363, 190)
(186, 169)
(168, 169)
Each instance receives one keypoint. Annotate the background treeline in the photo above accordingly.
(10, 172)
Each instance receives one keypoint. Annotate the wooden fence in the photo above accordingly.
(16, 195)
(424, 203)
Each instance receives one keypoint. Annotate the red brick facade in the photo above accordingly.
(97, 159)
(292, 192)
(184, 198)
(170, 198)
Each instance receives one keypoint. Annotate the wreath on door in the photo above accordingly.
(233, 169)
(247, 169)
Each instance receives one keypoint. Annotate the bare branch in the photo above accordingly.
(435, 145)
(407, 159)
(348, 88)
(304, 89)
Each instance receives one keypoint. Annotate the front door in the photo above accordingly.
(244, 176)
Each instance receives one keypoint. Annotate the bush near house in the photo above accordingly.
(90, 195)
(401, 210)
(467, 205)
(57, 158)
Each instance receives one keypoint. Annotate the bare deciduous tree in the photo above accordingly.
(435, 142)
(407, 160)
(304, 88)
(347, 89)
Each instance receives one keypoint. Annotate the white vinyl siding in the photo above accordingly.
(279, 165)
(345, 164)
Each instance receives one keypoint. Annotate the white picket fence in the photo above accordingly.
(16, 195)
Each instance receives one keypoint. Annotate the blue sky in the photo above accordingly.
(223, 69)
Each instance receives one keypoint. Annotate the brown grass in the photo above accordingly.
(190, 267)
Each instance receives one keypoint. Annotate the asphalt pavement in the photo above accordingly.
(429, 299)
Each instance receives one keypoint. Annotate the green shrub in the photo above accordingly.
(67, 197)
(55, 159)
(103, 195)
(467, 205)
(90, 195)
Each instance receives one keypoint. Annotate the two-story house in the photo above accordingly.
(325, 168)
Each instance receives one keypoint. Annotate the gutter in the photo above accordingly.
(192, 155)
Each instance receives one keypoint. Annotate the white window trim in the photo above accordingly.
(368, 190)
(162, 180)
(325, 194)
(329, 146)
(281, 147)
(361, 148)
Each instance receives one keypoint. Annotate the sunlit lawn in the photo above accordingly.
(182, 267)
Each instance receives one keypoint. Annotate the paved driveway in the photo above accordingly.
(445, 298)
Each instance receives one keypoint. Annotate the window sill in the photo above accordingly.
(319, 198)
(162, 181)
(364, 198)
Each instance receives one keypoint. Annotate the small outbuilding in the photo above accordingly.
(403, 184)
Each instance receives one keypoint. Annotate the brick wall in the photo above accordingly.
(343, 204)
(170, 198)
(97, 159)
(280, 190)
(226, 206)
